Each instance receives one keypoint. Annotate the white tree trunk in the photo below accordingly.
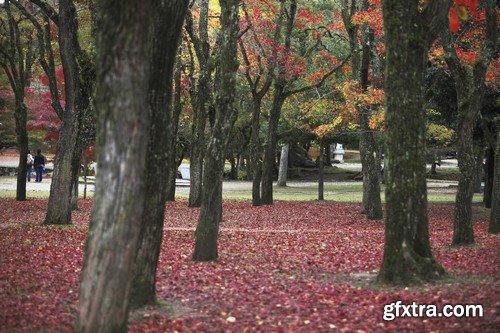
(283, 165)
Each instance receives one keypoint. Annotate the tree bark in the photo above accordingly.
(165, 36)
(478, 176)
(494, 226)
(174, 129)
(123, 98)
(321, 171)
(470, 93)
(489, 177)
(282, 174)
(202, 103)
(372, 203)
(59, 206)
(407, 254)
(207, 229)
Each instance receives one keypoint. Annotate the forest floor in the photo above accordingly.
(293, 266)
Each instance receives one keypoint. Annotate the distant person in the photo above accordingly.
(29, 164)
(39, 165)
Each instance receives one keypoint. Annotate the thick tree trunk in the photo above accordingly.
(197, 153)
(494, 226)
(59, 206)
(282, 174)
(321, 171)
(123, 86)
(407, 254)
(478, 176)
(165, 37)
(489, 176)
(207, 229)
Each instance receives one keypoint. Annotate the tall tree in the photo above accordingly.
(202, 100)
(165, 36)
(470, 87)
(125, 46)
(59, 207)
(207, 229)
(409, 32)
(494, 226)
(13, 61)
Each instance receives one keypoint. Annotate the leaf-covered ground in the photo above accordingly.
(289, 267)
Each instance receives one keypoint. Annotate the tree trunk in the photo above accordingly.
(494, 226)
(256, 153)
(234, 172)
(125, 49)
(164, 46)
(59, 206)
(372, 203)
(478, 177)
(470, 93)
(321, 171)
(271, 142)
(207, 229)
(407, 254)
(21, 117)
(282, 174)
(489, 176)
(174, 129)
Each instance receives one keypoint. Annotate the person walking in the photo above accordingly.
(39, 165)
(29, 164)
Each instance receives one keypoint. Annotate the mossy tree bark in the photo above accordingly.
(494, 226)
(165, 36)
(125, 46)
(407, 254)
(470, 87)
(207, 229)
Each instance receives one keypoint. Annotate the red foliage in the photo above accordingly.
(281, 268)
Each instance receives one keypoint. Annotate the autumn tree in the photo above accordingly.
(16, 62)
(407, 253)
(127, 58)
(225, 114)
(470, 86)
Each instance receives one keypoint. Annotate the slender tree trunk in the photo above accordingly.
(21, 117)
(125, 46)
(207, 229)
(494, 226)
(271, 143)
(321, 171)
(407, 254)
(470, 93)
(489, 176)
(478, 177)
(59, 206)
(282, 174)
(372, 203)
(174, 126)
(256, 153)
